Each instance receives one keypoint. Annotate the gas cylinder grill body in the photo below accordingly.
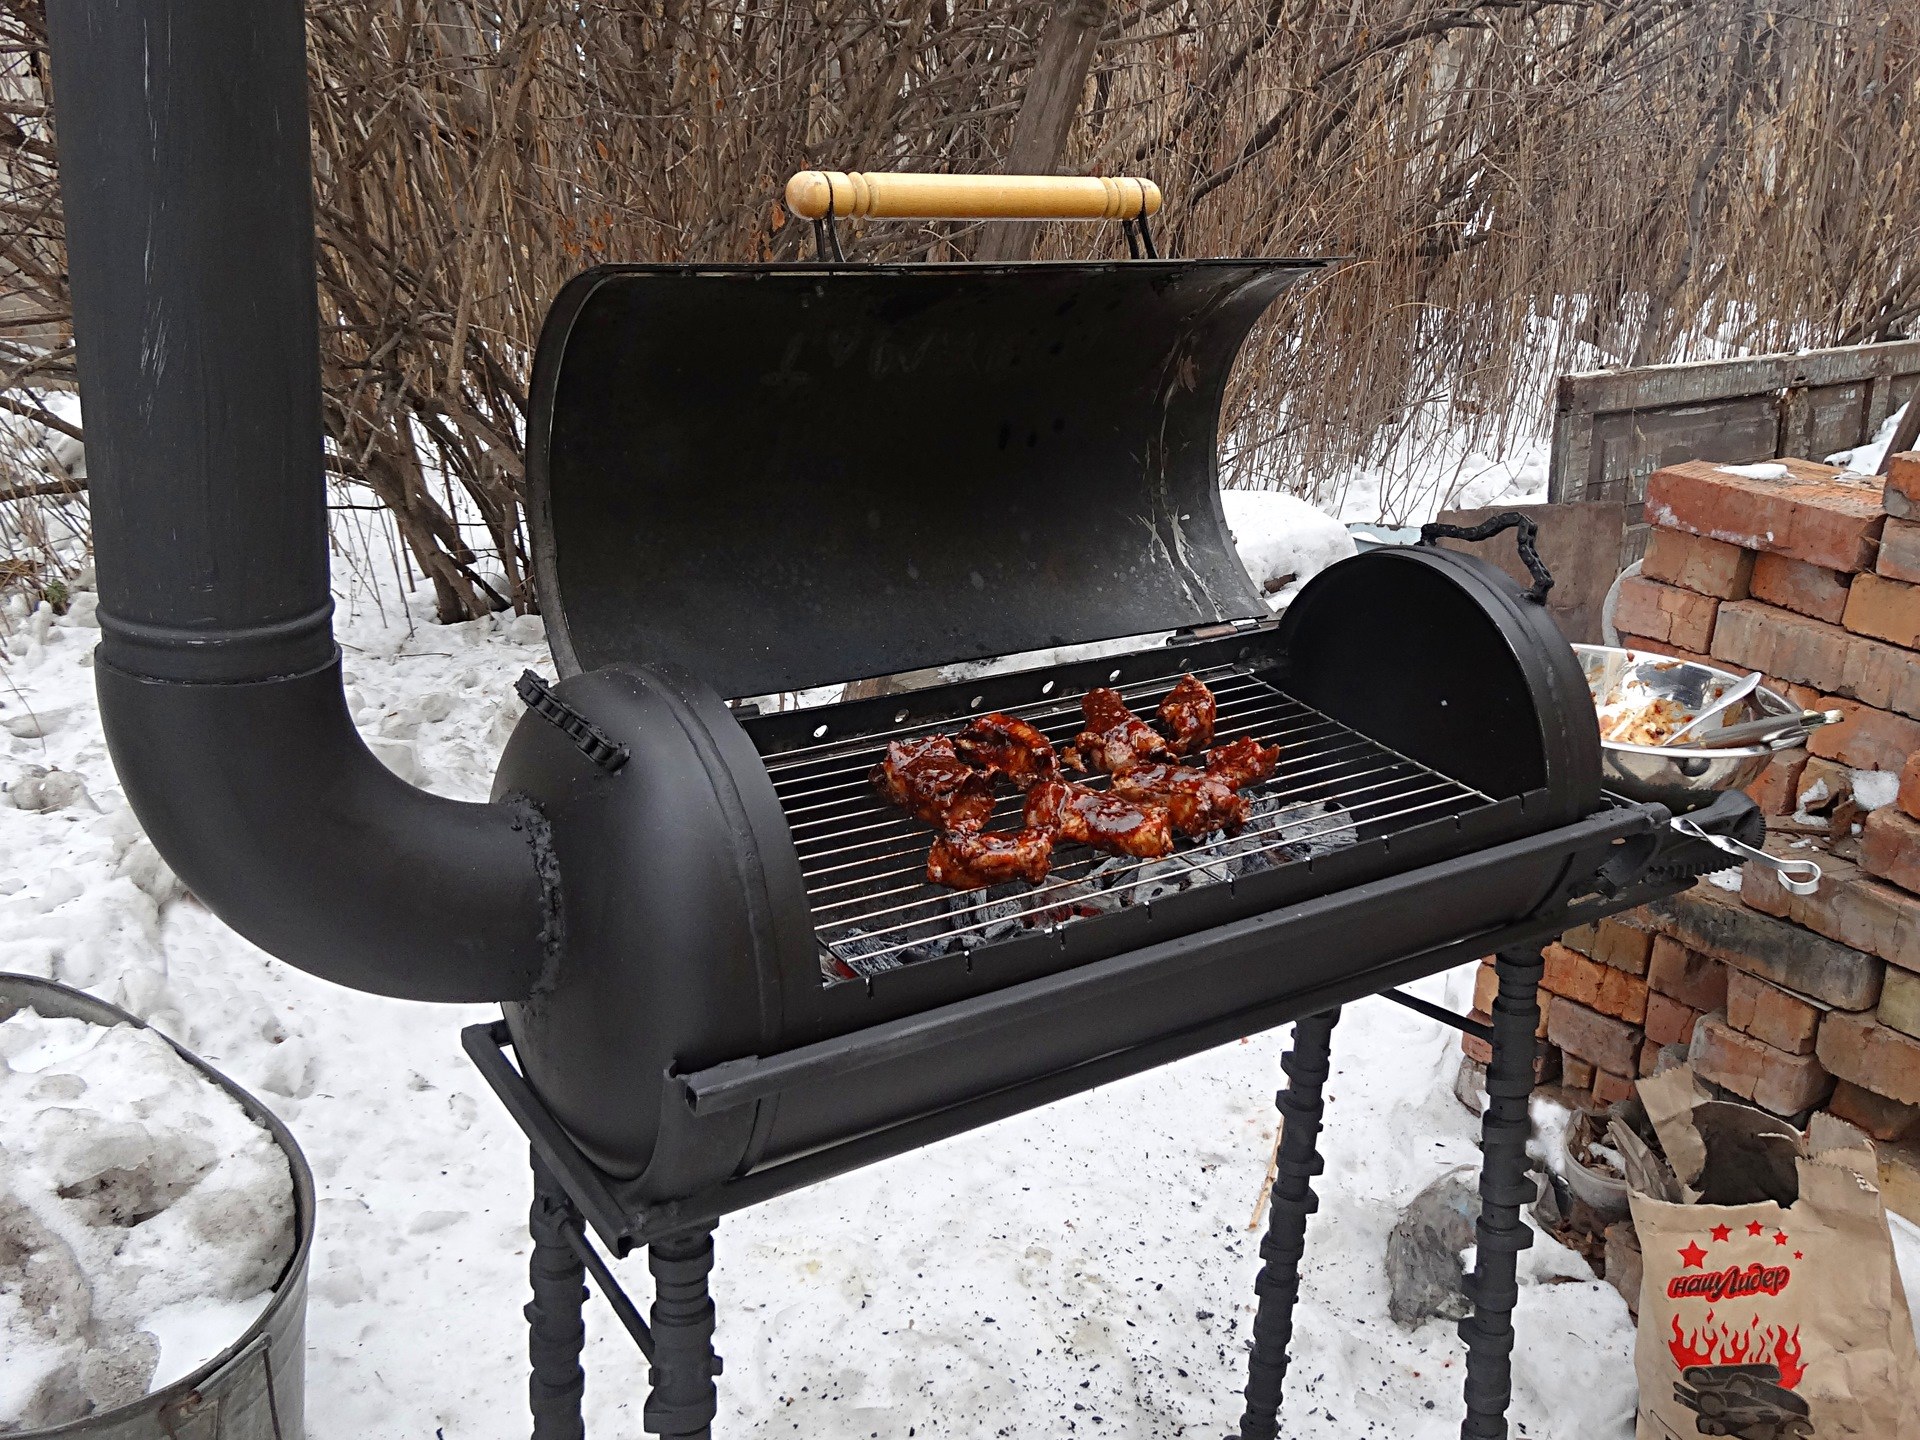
(965, 488)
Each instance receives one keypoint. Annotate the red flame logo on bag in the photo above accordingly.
(1756, 1345)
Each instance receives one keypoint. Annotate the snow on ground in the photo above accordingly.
(1865, 459)
(1283, 541)
(1084, 1270)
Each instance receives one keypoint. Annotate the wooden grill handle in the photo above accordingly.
(882, 195)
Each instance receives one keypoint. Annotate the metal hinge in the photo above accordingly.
(592, 742)
(1246, 626)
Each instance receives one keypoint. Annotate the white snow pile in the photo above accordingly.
(1875, 789)
(1282, 540)
(1865, 459)
(144, 1218)
(1762, 470)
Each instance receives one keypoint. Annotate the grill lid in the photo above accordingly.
(787, 476)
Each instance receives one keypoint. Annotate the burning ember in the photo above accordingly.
(1756, 1345)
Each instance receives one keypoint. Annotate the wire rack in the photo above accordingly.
(865, 861)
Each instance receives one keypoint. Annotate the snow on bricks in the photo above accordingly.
(1800, 587)
(1805, 651)
(1816, 513)
(1708, 920)
(1902, 494)
(1693, 562)
(1665, 613)
(1772, 1079)
(1873, 1056)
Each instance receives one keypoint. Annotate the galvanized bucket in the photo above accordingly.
(255, 1389)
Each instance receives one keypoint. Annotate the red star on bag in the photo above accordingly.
(1722, 1232)
(1779, 1237)
(1694, 1256)
(1799, 1255)
(1755, 1227)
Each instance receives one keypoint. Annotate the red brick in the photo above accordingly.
(1795, 648)
(1890, 848)
(1815, 513)
(1883, 1119)
(1609, 1089)
(1823, 785)
(1624, 942)
(1909, 797)
(1649, 1056)
(1607, 1043)
(1575, 1073)
(1669, 1022)
(1581, 938)
(1597, 986)
(1868, 739)
(1665, 612)
(1900, 551)
(1693, 562)
(1693, 979)
(1769, 1013)
(1648, 645)
(1800, 587)
(1486, 984)
(1777, 790)
(1902, 493)
(1885, 609)
(1848, 906)
(1708, 920)
(1785, 1084)
(1900, 1002)
(1477, 1050)
(1873, 1056)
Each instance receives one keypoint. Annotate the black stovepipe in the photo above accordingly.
(186, 185)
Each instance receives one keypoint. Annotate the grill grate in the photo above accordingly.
(865, 862)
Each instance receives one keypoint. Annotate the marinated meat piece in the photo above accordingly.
(1115, 739)
(1105, 822)
(1008, 746)
(1188, 712)
(1243, 762)
(968, 862)
(1200, 803)
(925, 778)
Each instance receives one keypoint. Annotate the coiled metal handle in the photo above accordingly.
(1524, 542)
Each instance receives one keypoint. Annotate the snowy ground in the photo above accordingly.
(1084, 1270)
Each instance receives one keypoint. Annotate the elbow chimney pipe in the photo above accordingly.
(185, 177)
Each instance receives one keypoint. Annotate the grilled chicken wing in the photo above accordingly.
(1243, 762)
(929, 781)
(1008, 746)
(1200, 803)
(1115, 739)
(1187, 713)
(1104, 822)
(968, 862)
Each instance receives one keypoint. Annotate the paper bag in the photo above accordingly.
(1771, 1307)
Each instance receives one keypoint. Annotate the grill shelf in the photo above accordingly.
(864, 861)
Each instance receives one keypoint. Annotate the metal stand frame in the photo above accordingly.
(1504, 1191)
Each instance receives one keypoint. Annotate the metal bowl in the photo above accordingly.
(1679, 779)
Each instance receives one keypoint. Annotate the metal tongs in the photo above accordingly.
(1799, 877)
(1777, 732)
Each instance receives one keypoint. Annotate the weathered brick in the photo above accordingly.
(1815, 513)
(1605, 1042)
(1669, 1021)
(1575, 1073)
(1900, 551)
(1709, 920)
(1778, 786)
(1902, 493)
(1665, 612)
(1693, 562)
(1649, 1057)
(1868, 739)
(1800, 587)
(1873, 1056)
(1886, 609)
(1581, 937)
(1823, 784)
(1477, 1050)
(1597, 986)
(1697, 981)
(1880, 1117)
(1890, 847)
(1650, 646)
(1900, 1178)
(1804, 651)
(1624, 942)
(1769, 1013)
(1609, 1089)
(1909, 797)
(1785, 1084)
(1900, 1002)
(1850, 907)
(1486, 985)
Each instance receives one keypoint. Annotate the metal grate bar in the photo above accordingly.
(865, 862)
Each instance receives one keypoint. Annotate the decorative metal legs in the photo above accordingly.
(1504, 1191)
(682, 1400)
(556, 1329)
(1306, 1066)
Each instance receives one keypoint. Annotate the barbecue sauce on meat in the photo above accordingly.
(1187, 713)
(929, 781)
(1115, 739)
(1008, 746)
(1101, 822)
(1243, 762)
(968, 862)
(1199, 802)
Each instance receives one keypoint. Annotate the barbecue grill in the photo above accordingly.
(925, 492)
